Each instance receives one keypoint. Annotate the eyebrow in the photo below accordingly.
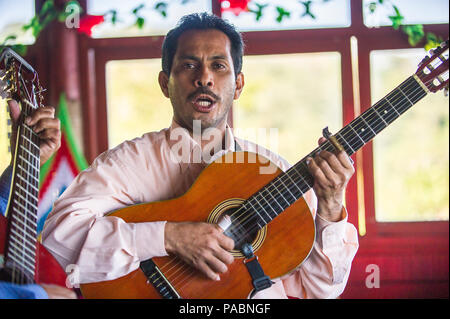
(192, 57)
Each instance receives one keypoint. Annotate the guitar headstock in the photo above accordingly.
(433, 69)
(18, 80)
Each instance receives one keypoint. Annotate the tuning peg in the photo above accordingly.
(446, 90)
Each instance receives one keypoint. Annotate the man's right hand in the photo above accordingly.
(201, 245)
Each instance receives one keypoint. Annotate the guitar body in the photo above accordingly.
(48, 270)
(281, 245)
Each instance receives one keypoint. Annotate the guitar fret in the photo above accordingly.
(282, 196)
(26, 200)
(387, 99)
(31, 154)
(17, 249)
(20, 204)
(28, 183)
(386, 123)
(30, 267)
(256, 211)
(295, 169)
(411, 103)
(28, 218)
(31, 143)
(26, 172)
(23, 159)
(289, 191)
(363, 142)
(263, 197)
(275, 201)
(16, 220)
(26, 191)
(340, 139)
(295, 184)
(360, 126)
(265, 211)
(23, 246)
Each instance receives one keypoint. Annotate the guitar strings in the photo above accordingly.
(275, 186)
(24, 198)
(325, 145)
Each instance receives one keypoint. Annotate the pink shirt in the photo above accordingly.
(146, 169)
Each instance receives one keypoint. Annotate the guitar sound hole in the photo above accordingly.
(242, 229)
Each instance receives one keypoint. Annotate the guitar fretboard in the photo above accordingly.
(288, 187)
(22, 208)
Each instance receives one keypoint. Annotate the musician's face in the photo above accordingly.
(202, 84)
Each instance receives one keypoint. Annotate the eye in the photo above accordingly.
(219, 66)
(189, 65)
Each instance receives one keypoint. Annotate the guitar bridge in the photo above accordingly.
(158, 280)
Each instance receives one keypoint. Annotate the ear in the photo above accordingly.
(163, 80)
(239, 85)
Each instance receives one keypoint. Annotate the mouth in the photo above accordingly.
(203, 103)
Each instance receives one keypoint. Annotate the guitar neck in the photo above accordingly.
(20, 250)
(289, 186)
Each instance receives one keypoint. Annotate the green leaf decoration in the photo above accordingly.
(396, 19)
(432, 41)
(161, 7)
(282, 14)
(137, 9)
(415, 33)
(140, 21)
(258, 12)
(307, 12)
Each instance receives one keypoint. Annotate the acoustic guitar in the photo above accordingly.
(266, 210)
(23, 260)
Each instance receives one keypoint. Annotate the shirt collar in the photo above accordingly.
(186, 150)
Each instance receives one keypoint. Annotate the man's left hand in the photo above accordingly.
(331, 174)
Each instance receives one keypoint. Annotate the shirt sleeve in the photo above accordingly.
(325, 272)
(14, 291)
(5, 185)
(78, 230)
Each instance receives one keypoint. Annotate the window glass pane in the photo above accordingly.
(135, 102)
(318, 14)
(411, 164)
(155, 22)
(295, 94)
(13, 16)
(413, 11)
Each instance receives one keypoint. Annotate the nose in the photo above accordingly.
(204, 78)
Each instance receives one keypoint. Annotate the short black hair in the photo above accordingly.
(202, 21)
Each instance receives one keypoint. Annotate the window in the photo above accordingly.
(436, 11)
(299, 15)
(135, 103)
(411, 157)
(14, 15)
(158, 20)
(296, 94)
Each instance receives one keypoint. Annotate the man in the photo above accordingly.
(202, 60)
(44, 124)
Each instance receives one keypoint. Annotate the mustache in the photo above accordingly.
(203, 90)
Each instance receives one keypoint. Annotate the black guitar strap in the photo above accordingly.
(260, 280)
